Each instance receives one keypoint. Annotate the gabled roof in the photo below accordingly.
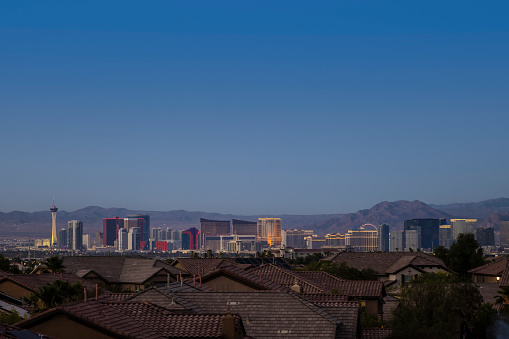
(245, 277)
(165, 297)
(33, 282)
(325, 298)
(118, 269)
(205, 265)
(137, 319)
(270, 314)
(493, 268)
(324, 283)
(382, 262)
(197, 266)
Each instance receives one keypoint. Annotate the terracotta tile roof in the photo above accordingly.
(247, 277)
(376, 333)
(326, 284)
(199, 266)
(504, 281)
(118, 269)
(96, 314)
(493, 268)
(270, 314)
(381, 262)
(139, 320)
(348, 313)
(288, 278)
(165, 297)
(205, 265)
(119, 296)
(325, 298)
(35, 281)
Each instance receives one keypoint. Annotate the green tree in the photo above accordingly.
(442, 253)
(57, 293)
(483, 319)
(55, 264)
(10, 318)
(431, 305)
(369, 320)
(502, 299)
(465, 254)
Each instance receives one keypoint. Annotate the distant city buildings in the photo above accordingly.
(243, 227)
(75, 235)
(485, 236)
(504, 233)
(363, 240)
(295, 238)
(216, 227)
(54, 236)
(429, 230)
(463, 226)
(269, 230)
(62, 238)
(190, 240)
(144, 227)
(445, 237)
(383, 238)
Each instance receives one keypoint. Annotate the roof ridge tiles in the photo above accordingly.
(316, 309)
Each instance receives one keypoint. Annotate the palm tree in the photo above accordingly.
(55, 264)
(502, 298)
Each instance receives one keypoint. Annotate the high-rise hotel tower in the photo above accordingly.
(53, 210)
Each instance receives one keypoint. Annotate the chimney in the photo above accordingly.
(296, 287)
(96, 291)
(228, 327)
(85, 294)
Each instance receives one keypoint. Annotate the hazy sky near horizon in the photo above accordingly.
(252, 107)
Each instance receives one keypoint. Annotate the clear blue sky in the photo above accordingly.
(252, 106)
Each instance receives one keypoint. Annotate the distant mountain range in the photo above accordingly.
(488, 213)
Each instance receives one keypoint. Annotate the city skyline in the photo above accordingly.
(244, 108)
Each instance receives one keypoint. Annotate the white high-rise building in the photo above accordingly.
(122, 239)
(412, 239)
(133, 239)
(463, 226)
(397, 241)
(75, 235)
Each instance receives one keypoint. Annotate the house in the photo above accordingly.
(490, 277)
(369, 293)
(105, 318)
(124, 273)
(492, 272)
(234, 278)
(197, 266)
(391, 267)
(267, 314)
(22, 285)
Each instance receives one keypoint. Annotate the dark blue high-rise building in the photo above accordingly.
(429, 230)
(383, 238)
(190, 239)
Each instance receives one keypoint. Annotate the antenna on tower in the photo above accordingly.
(53, 200)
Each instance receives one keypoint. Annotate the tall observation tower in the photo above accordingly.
(53, 210)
